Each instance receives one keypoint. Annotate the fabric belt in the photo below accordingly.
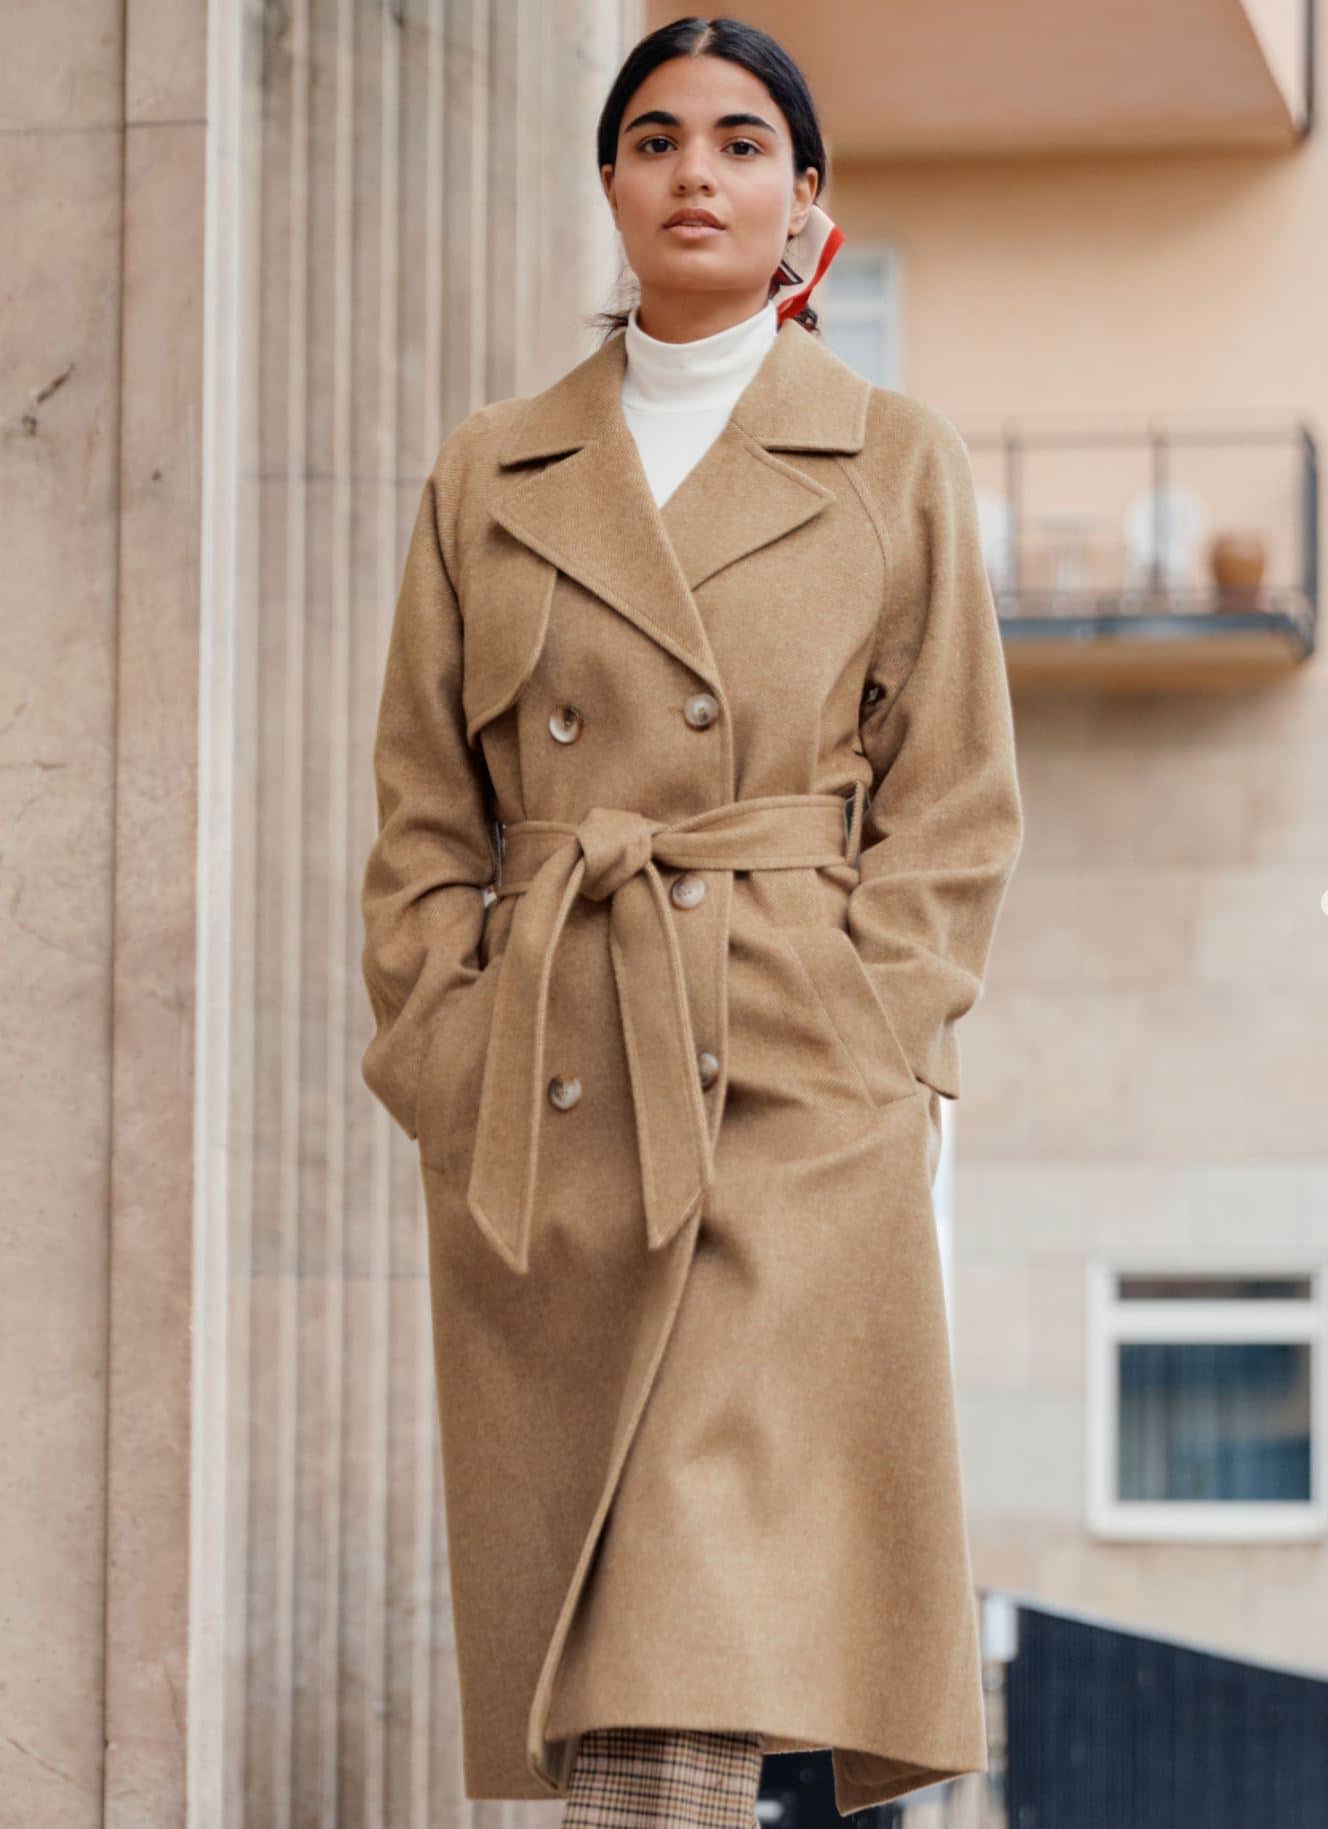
(614, 855)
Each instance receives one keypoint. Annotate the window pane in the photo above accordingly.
(1214, 1288)
(860, 343)
(1221, 1420)
(856, 276)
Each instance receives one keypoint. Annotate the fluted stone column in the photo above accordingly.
(405, 222)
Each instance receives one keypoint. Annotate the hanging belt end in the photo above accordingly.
(513, 1250)
(662, 1231)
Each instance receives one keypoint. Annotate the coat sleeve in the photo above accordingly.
(422, 900)
(944, 826)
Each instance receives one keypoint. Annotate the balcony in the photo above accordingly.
(967, 79)
(1157, 556)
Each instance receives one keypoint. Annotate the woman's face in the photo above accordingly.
(702, 133)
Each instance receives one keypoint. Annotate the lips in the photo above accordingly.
(693, 219)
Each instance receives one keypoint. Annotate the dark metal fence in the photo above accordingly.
(1110, 1729)
(1105, 1729)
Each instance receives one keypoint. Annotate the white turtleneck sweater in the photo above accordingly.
(677, 397)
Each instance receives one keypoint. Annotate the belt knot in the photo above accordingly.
(616, 843)
(612, 849)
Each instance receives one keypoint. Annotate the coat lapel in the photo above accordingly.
(592, 513)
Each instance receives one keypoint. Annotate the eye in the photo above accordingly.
(662, 139)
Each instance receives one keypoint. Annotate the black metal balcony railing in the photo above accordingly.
(1162, 535)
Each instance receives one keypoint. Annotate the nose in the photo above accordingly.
(693, 168)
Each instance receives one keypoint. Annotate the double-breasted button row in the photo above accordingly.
(566, 722)
(565, 1093)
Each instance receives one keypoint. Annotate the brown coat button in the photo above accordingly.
(564, 1093)
(709, 1066)
(687, 891)
(701, 710)
(566, 724)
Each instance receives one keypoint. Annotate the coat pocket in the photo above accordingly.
(859, 1019)
(453, 1072)
(448, 1097)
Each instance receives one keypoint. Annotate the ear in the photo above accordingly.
(804, 195)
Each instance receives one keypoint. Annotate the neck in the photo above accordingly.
(703, 372)
(686, 317)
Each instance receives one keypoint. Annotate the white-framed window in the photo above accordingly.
(858, 311)
(1206, 1402)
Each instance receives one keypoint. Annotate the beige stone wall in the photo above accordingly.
(102, 155)
(1148, 1071)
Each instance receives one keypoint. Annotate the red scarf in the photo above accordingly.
(806, 258)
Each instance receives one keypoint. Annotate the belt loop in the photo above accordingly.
(855, 806)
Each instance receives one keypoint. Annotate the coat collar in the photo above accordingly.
(801, 398)
(592, 514)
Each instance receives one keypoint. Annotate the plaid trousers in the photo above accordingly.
(664, 1778)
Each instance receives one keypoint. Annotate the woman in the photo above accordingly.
(696, 668)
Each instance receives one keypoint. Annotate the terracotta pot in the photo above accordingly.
(1238, 559)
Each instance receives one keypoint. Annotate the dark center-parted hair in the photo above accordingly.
(742, 44)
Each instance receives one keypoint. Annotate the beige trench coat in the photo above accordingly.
(741, 773)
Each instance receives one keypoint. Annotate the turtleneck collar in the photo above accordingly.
(706, 372)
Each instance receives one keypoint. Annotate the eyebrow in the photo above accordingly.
(660, 117)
